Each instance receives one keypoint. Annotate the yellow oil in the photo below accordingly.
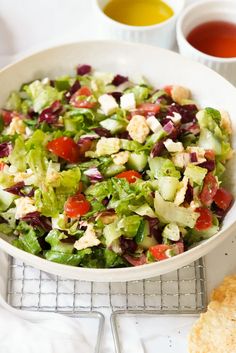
(138, 12)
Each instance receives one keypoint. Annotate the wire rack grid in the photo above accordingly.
(179, 291)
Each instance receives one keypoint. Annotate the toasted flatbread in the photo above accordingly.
(215, 331)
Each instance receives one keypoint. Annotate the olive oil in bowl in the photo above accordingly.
(138, 12)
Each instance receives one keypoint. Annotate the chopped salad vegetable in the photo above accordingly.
(99, 171)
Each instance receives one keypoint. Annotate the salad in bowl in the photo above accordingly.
(98, 171)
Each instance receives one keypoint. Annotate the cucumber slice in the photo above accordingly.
(5, 200)
(168, 187)
(209, 142)
(137, 161)
(113, 125)
(113, 169)
(171, 232)
(143, 237)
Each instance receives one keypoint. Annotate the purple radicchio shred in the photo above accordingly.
(209, 165)
(50, 115)
(93, 174)
(220, 213)
(189, 194)
(157, 149)
(83, 69)
(128, 245)
(101, 131)
(164, 99)
(124, 135)
(169, 127)
(5, 149)
(175, 133)
(35, 219)
(193, 157)
(74, 88)
(16, 189)
(52, 83)
(165, 121)
(117, 96)
(187, 112)
(105, 201)
(119, 79)
(154, 229)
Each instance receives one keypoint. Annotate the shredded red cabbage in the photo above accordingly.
(74, 88)
(119, 79)
(136, 261)
(157, 149)
(209, 165)
(93, 174)
(35, 219)
(101, 131)
(187, 112)
(50, 115)
(5, 149)
(83, 69)
(116, 95)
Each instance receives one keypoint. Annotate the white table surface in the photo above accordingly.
(28, 25)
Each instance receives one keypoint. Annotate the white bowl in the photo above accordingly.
(160, 67)
(201, 12)
(162, 34)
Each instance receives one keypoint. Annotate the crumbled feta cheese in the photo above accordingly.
(107, 146)
(94, 86)
(181, 160)
(16, 126)
(45, 81)
(108, 104)
(195, 204)
(29, 178)
(138, 128)
(121, 158)
(88, 240)
(225, 122)
(180, 195)
(28, 131)
(172, 146)
(176, 118)
(179, 93)
(154, 124)
(127, 101)
(24, 205)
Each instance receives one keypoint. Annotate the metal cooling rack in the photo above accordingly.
(179, 292)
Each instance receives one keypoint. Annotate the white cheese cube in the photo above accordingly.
(88, 240)
(181, 160)
(172, 146)
(154, 124)
(127, 101)
(121, 158)
(107, 146)
(176, 118)
(138, 128)
(24, 205)
(108, 104)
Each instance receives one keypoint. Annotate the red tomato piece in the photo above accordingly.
(159, 251)
(149, 108)
(223, 198)
(168, 89)
(204, 220)
(78, 103)
(2, 165)
(209, 189)
(84, 145)
(7, 116)
(76, 206)
(136, 261)
(130, 175)
(66, 148)
(209, 155)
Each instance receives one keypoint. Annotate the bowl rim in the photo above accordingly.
(181, 37)
(95, 274)
(138, 28)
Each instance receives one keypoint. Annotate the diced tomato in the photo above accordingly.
(78, 103)
(209, 189)
(2, 165)
(136, 261)
(223, 198)
(7, 116)
(149, 108)
(168, 89)
(66, 148)
(204, 221)
(130, 175)
(76, 206)
(159, 251)
(84, 91)
(209, 155)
